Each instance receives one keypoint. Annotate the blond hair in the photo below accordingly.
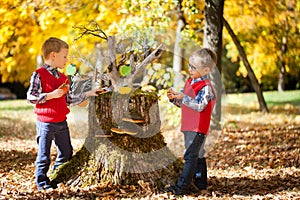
(53, 44)
(206, 57)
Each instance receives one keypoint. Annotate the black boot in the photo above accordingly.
(176, 190)
(180, 188)
(201, 174)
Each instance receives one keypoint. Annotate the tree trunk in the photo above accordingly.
(282, 69)
(254, 82)
(177, 58)
(213, 40)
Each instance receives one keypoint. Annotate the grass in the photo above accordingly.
(272, 98)
(242, 110)
(16, 105)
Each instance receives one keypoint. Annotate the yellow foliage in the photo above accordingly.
(263, 25)
(24, 25)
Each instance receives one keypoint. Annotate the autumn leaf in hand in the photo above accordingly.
(64, 86)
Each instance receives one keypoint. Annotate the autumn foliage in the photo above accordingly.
(263, 27)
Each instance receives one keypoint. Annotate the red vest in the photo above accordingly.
(53, 110)
(192, 120)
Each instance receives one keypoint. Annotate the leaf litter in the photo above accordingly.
(256, 157)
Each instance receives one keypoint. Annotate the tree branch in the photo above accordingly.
(150, 58)
(96, 31)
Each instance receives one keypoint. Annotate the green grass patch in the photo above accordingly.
(272, 98)
(15, 105)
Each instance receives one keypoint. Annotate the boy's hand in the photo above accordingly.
(172, 94)
(90, 94)
(94, 93)
(171, 90)
(65, 87)
(55, 94)
(178, 95)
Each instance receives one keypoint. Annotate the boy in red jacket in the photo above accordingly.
(49, 92)
(197, 102)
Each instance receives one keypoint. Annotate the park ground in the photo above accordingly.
(256, 156)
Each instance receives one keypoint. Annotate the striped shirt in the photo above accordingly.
(36, 96)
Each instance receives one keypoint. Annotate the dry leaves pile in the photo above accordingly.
(256, 157)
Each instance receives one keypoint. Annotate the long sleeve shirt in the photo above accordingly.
(200, 102)
(36, 96)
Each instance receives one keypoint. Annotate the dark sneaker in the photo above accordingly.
(174, 189)
(45, 187)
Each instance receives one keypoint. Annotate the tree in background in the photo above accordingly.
(25, 24)
(177, 58)
(213, 39)
(268, 31)
(254, 82)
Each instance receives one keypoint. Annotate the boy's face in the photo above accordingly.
(60, 58)
(196, 69)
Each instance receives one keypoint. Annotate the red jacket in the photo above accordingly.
(192, 120)
(54, 110)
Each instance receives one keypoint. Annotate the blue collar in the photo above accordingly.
(195, 80)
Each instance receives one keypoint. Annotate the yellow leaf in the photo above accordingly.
(124, 90)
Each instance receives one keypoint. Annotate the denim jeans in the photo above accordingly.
(194, 144)
(46, 132)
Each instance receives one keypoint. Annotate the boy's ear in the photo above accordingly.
(207, 70)
(52, 55)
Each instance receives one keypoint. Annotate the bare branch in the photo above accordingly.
(150, 58)
(95, 30)
(111, 53)
(82, 59)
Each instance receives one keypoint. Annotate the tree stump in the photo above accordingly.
(124, 143)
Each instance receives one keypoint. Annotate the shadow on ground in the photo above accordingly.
(15, 160)
(247, 186)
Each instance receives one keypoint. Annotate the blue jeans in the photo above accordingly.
(194, 149)
(46, 132)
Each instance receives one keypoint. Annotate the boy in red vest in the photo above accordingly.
(49, 92)
(197, 102)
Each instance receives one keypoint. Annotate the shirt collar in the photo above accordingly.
(52, 70)
(195, 80)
